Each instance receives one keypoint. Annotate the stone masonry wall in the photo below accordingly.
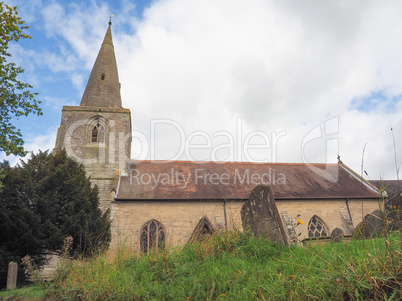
(101, 160)
(329, 211)
(180, 218)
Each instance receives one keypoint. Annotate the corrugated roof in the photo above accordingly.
(187, 180)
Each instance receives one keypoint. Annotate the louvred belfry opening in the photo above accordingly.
(98, 134)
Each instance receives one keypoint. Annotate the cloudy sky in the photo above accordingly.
(272, 81)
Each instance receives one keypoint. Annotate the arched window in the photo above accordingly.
(317, 228)
(98, 133)
(103, 76)
(204, 228)
(152, 236)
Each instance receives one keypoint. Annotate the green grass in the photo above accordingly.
(33, 292)
(235, 266)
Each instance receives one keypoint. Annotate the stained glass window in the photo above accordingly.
(152, 236)
(317, 228)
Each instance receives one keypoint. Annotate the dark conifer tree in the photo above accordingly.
(45, 200)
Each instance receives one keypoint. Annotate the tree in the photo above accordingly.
(44, 201)
(19, 231)
(16, 98)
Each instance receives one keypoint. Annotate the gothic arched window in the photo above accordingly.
(204, 228)
(317, 228)
(152, 236)
(98, 133)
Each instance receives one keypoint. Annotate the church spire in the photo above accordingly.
(103, 87)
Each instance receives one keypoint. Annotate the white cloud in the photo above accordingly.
(42, 142)
(34, 144)
(282, 66)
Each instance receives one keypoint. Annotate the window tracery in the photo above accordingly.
(97, 129)
(152, 236)
(203, 229)
(317, 228)
(98, 133)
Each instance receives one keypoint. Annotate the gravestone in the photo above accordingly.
(337, 235)
(373, 225)
(12, 276)
(260, 215)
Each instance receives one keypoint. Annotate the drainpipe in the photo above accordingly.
(347, 205)
(224, 212)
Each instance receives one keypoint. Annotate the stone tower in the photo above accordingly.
(98, 132)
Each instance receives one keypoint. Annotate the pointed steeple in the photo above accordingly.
(103, 87)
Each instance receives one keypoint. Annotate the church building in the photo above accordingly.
(157, 204)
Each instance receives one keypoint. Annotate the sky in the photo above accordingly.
(263, 81)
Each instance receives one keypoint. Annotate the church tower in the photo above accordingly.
(98, 132)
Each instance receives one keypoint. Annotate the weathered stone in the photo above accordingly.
(337, 235)
(289, 224)
(260, 215)
(373, 225)
(46, 272)
(12, 275)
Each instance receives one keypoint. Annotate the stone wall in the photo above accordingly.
(101, 160)
(180, 218)
(332, 212)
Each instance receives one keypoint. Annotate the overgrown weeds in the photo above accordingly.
(239, 266)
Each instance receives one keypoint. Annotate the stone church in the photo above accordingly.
(157, 203)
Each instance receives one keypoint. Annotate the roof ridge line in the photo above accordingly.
(229, 162)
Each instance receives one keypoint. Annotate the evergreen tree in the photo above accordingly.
(44, 201)
(19, 225)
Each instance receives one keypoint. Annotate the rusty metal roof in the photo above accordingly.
(188, 180)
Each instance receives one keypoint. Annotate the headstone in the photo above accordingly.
(337, 235)
(260, 215)
(373, 225)
(12, 276)
(358, 231)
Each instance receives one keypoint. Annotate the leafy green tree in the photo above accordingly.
(45, 200)
(16, 98)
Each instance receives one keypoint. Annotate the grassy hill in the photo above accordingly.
(236, 266)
